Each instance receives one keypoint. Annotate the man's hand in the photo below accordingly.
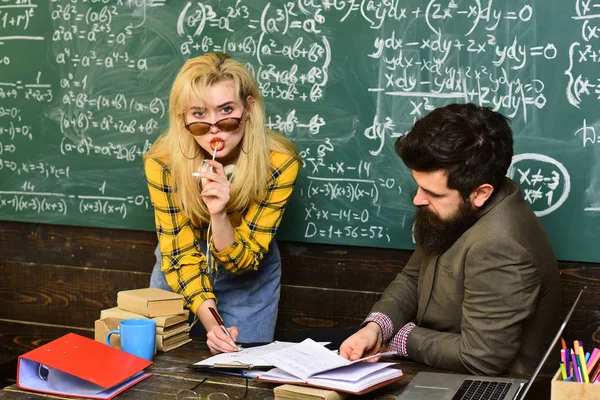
(363, 343)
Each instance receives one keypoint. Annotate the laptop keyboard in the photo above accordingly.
(484, 390)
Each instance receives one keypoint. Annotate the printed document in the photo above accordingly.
(251, 357)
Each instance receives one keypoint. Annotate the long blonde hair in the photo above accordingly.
(178, 148)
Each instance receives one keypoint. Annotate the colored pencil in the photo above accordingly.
(575, 367)
(593, 358)
(584, 371)
(563, 371)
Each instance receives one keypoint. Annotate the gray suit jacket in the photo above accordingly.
(490, 303)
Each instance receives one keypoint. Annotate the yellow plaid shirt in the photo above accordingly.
(183, 263)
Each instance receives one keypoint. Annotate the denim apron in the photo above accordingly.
(248, 301)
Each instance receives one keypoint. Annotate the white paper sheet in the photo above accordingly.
(248, 356)
(306, 359)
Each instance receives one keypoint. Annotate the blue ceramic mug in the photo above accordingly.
(137, 337)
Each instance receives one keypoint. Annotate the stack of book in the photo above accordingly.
(292, 392)
(164, 307)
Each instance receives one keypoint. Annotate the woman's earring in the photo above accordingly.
(180, 149)
(247, 119)
(242, 148)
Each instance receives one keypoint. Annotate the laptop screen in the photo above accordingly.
(525, 389)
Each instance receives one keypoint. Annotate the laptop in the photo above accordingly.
(442, 386)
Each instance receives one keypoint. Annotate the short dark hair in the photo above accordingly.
(473, 144)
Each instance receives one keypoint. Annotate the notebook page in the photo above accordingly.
(339, 382)
(306, 359)
(353, 372)
(279, 375)
(252, 355)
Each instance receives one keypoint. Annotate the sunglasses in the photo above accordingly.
(229, 124)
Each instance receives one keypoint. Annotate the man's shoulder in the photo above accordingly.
(508, 208)
(512, 224)
(511, 219)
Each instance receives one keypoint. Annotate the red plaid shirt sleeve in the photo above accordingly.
(384, 322)
(398, 342)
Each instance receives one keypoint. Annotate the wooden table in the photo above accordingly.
(172, 374)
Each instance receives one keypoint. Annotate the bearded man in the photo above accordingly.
(481, 292)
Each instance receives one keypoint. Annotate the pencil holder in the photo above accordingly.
(562, 390)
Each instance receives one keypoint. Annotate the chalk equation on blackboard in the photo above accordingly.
(544, 181)
(84, 93)
(588, 134)
(40, 202)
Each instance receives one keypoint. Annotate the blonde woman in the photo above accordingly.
(219, 178)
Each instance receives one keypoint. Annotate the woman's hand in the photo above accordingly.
(218, 342)
(216, 188)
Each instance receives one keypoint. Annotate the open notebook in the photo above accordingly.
(309, 363)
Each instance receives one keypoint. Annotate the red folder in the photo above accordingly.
(74, 365)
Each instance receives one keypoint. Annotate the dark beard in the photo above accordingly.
(436, 235)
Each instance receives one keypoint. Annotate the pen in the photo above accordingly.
(217, 317)
(387, 353)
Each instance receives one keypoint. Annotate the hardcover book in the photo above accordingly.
(161, 322)
(150, 302)
(169, 343)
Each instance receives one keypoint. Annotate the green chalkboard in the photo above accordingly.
(84, 90)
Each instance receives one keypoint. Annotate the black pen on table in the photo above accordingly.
(217, 317)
